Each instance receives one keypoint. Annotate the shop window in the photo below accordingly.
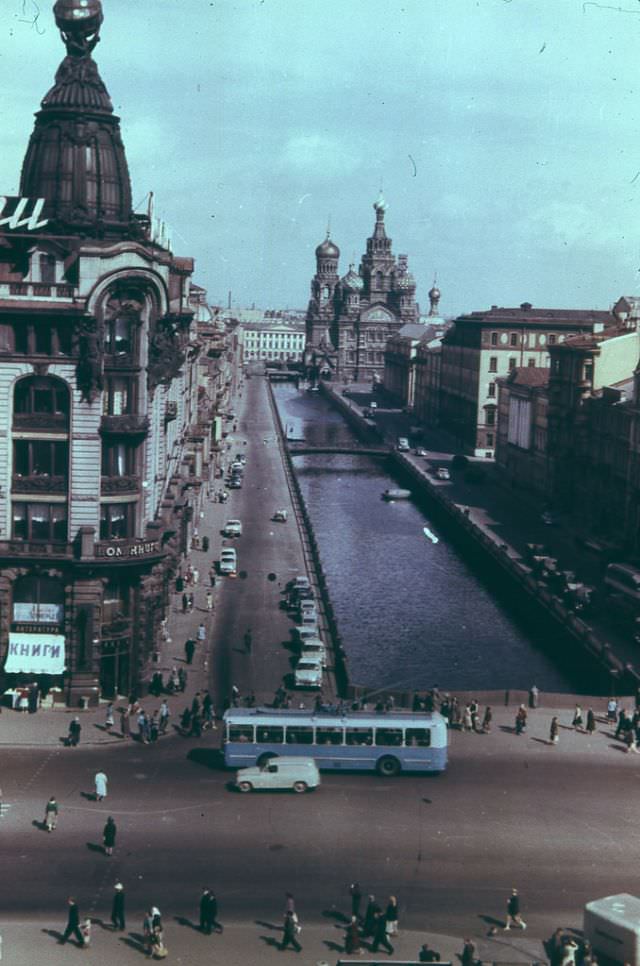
(115, 601)
(46, 522)
(38, 600)
(39, 457)
(117, 521)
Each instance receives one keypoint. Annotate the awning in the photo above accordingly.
(35, 654)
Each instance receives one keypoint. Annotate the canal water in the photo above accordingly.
(411, 614)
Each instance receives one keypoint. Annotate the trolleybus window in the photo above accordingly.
(329, 736)
(359, 736)
(390, 737)
(299, 735)
(419, 736)
(274, 734)
(240, 732)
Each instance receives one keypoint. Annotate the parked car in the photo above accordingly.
(308, 673)
(402, 444)
(442, 473)
(313, 649)
(232, 528)
(420, 451)
(301, 582)
(228, 563)
(235, 483)
(302, 633)
(298, 774)
(280, 516)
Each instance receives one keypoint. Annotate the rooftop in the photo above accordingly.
(531, 376)
(526, 314)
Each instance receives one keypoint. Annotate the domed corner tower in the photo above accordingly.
(76, 159)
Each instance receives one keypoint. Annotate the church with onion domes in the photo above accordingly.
(350, 319)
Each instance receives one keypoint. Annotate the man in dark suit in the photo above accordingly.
(73, 923)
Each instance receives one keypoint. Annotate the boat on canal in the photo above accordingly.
(395, 494)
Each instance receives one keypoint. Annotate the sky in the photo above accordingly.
(505, 135)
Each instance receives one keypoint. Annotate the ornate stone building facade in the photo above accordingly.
(350, 319)
(103, 448)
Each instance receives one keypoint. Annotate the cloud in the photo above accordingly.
(318, 156)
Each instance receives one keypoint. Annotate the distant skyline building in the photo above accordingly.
(350, 319)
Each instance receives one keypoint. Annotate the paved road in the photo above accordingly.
(556, 822)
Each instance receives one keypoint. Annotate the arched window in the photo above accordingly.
(41, 395)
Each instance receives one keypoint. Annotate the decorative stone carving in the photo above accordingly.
(166, 355)
(89, 379)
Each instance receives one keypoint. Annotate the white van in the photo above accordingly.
(403, 444)
(298, 774)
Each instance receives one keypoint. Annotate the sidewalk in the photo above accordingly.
(255, 421)
(250, 944)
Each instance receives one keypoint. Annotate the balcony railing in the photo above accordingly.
(41, 289)
(120, 484)
(129, 424)
(40, 483)
(43, 422)
(33, 548)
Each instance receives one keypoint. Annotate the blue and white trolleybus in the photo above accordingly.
(389, 742)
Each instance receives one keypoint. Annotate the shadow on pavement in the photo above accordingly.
(207, 757)
(335, 914)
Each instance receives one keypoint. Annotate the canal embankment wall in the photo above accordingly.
(338, 664)
(502, 557)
